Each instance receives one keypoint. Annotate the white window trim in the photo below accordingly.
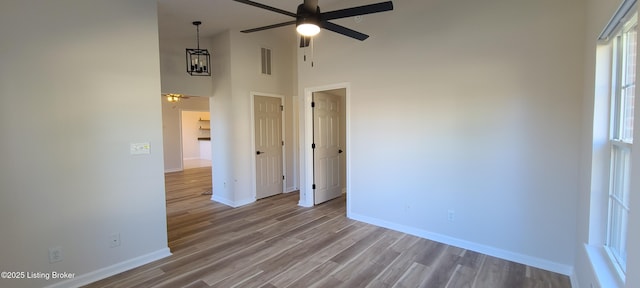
(615, 142)
(606, 272)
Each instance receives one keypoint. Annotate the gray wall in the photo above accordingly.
(471, 106)
(71, 105)
(238, 60)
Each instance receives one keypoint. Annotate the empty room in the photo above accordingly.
(434, 143)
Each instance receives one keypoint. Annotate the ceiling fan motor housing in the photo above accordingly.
(305, 16)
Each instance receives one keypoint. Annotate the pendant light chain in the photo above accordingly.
(312, 56)
(306, 49)
(198, 36)
(198, 40)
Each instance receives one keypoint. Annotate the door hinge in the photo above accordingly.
(283, 177)
(313, 146)
(313, 104)
(282, 143)
(281, 107)
(313, 186)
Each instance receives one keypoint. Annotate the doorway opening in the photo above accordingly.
(327, 133)
(186, 133)
(187, 160)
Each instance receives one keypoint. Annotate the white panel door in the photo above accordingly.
(327, 152)
(268, 137)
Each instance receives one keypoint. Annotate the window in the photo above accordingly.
(621, 140)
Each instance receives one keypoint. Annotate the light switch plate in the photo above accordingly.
(139, 148)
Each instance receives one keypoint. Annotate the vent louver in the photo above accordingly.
(266, 61)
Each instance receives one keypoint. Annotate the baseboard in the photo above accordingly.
(291, 189)
(244, 202)
(305, 204)
(222, 200)
(172, 170)
(103, 273)
(234, 204)
(488, 250)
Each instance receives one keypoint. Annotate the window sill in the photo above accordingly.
(604, 271)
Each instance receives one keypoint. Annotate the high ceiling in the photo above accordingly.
(175, 16)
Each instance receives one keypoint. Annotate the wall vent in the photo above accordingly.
(265, 56)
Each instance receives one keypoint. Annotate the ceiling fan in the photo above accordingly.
(173, 97)
(309, 19)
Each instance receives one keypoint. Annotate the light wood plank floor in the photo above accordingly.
(275, 243)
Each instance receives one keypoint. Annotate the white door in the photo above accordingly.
(327, 151)
(268, 137)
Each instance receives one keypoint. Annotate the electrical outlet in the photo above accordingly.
(55, 254)
(114, 240)
(451, 215)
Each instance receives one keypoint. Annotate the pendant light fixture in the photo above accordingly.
(198, 60)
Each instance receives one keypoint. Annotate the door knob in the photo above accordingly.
(259, 152)
(339, 151)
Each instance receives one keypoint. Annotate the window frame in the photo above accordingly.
(620, 146)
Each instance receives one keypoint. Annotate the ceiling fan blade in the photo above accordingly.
(304, 41)
(273, 9)
(269, 27)
(356, 11)
(344, 31)
(311, 5)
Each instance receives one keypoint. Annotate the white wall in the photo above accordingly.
(171, 128)
(473, 106)
(71, 106)
(192, 130)
(593, 185)
(221, 123)
(239, 55)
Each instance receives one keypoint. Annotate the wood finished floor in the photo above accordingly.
(276, 243)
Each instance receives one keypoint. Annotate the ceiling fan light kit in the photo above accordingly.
(173, 97)
(307, 24)
(198, 60)
(309, 20)
(308, 29)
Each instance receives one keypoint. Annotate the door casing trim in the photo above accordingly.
(306, 166)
